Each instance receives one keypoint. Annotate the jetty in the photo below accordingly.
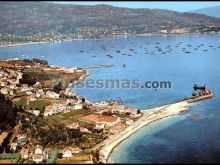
(200, 93)
(95, 66)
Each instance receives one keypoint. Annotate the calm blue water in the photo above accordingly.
(172, 140)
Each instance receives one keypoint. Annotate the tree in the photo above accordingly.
(8, 113)
(57, 88)
(27, 79)
(138, 111)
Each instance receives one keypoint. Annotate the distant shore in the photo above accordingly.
(107, 37)
(149, 116)
(23, 43)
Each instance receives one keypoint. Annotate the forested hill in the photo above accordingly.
(28, 18)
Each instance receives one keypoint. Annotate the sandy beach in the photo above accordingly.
(149, 115)
(22, 44)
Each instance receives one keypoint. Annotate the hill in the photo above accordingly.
(61, 21)
(210, 11)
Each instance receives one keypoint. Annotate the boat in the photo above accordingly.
(200, 93)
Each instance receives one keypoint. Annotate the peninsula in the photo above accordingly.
(49, 123)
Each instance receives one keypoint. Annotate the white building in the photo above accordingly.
(38, 158)
(4, 91)
(78, 106)
(67, 153)
(33, 97)
(36, 112)
(38, 149)
(52, 95)
(24, 153)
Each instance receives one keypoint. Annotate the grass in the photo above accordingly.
(22, 101)
(51, 77)
(5, 64)
(68, 118)
(39, 104)
(19, 94)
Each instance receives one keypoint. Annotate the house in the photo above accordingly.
(41, 92)
(82, 129)
(67, 153)
(32, 97)
(38, 94)
(78, 106)
(21, 138)
(28, 92)
(13, 146)
(74, 125)
(24, 153)
(38, 149)
(99, 127)
(11, 92)
(2, 84)
(55, 108)
(52, 95)
(76, 150)
(38, 158)
(4, 91)
(71, 102)
(36, 112)
(48, 111)
(24, 88)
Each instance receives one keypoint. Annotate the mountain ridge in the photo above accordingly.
(213, 11)
(88, 21)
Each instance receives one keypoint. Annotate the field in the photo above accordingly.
(68, 118)
(51, 77)
(6, 161)
(37, 104)
(77, 158)
(5, 64)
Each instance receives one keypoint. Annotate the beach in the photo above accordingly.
(24, 43)
(149, 116)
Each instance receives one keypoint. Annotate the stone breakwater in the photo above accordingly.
(149, 116)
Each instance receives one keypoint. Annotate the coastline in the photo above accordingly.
(106, 37)
(149, 116)
(23, 44)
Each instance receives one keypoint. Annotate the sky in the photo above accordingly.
(180, 6)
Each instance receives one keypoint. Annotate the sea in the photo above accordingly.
(183, 60)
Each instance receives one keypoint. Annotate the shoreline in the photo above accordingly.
(149, 116)
(23, 44)
(107, 37)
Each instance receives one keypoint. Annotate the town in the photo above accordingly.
(53, 124)
(100, 33)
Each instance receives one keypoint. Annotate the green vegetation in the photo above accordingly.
(22, 101)
(49, 79)
(69, 117)
(39, 104)
(52, 157)
(17, 27)
(8, 113)
(58, 87)
(47, 133)
(15, 156)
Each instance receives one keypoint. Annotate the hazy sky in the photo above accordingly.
(177, 6)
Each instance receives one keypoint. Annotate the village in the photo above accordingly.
(92, 120)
